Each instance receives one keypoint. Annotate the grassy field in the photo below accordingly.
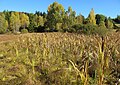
(59, 59)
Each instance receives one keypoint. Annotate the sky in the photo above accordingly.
(109, 8)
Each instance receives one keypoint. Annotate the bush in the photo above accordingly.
(2, 30)
(94, 29)
(86, 29)
(24, 31)
(77, 27)
(101, 31)
(89, 29)
(41, 29)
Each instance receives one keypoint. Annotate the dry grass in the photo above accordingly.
(60, 59)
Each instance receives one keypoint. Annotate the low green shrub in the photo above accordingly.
(24, 31)
(101, 31)
(77, 27)
(89, 29)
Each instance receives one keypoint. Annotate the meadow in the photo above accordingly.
(60, 59)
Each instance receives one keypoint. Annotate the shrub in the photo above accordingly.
(2, 31)
(77, 27)
(89, 29)
(41, 29)
(101, 31)
(24, 31)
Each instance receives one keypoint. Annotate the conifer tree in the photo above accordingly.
(91, 17)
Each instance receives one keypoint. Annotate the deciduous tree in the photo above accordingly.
(3, 23)
(100, 20)
(71, 16)
(109, 23)
(80, 19)
(14, 22)
(55, 15)
(38, 20)
(24, 20)
(69, 19)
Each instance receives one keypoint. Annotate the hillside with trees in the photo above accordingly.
(57, 19)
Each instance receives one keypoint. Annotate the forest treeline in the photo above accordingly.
(56, 19)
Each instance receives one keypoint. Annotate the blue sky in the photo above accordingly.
(107, 7)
